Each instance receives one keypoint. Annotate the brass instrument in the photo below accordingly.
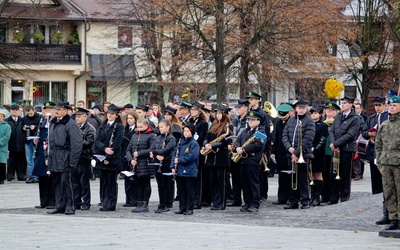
(205, 151)
(271, 111)
(236, 157)
(264, 162)
(310, 175)
(301, 158)
(336, 164)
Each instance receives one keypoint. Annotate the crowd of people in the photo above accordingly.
(203, 155)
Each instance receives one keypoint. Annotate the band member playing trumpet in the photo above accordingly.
(297, 139)
(250, 149)
(217, 156)
(343, 135)
(317, 160)
(369, 132)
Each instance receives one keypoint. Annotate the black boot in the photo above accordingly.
(318, 188)
(138, 207)
(312, 187)
(385, 218)
(394, 225)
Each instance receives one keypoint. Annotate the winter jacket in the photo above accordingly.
(88, 135)
(344, 132)
(40, 168)
(319, 142)
(219, 156)
(187, 152)
(291, 131)
(278, 149)
(164, 145)
(65, 142)
(254, 150)
(17, 139)
(387, 143)
(109, 137)
(94, 120)
(142, 142)
(201, 128)
(5, 134)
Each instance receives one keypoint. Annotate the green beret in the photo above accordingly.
(394, 99)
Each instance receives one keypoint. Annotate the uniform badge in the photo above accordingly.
(187, 150)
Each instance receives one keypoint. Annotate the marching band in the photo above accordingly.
(200, 149)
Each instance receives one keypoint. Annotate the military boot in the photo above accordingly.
(385, 218)
(394, 225)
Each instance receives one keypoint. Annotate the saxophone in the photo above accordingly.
(205, 151)
(236, 157)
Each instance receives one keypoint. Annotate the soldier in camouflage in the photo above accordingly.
(387, 148)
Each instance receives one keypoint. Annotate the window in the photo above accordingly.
(96, 92)
(147, 94)
(124, 37)
(54, 91)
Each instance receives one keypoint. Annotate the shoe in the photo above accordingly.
(85, 207)
(179, 212)
(244, 208)
(332, 202)
(291, 206)
(106, 209)
(1, 182)
(383, 221)
(39, 207)
(30, 180)
(344, 199)
(69, 212)
(196, 207)
(252, 209)
(129, 205)
(278, 202)
(305, 206)
(217, 208)
(9, 179)
(205, 204)
(56, 211)
(234, 204)
(50, 207)
(189, 212)
(100, 204)
(394, 225)
(77, 207)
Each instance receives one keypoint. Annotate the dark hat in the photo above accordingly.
(379, 100)
(242, 102)
(170, 110)
(143, 107)
(81, 111)
(222, 109)
(394, 99)
(252, 94)
(317, 109)
(113, 109)
(198, 105)
(301, 102)
(206, 109)
(97, 106)
(14, 106)
(283, 110)
(191, 127)
(64, 105)
(185, 105)
(332, 105)
(254, 115)
(348, 99)
(48, 104)
(214, 106)
(128, 106)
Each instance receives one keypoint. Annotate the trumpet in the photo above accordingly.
(336, 164)
(264, 162)
(310, 175)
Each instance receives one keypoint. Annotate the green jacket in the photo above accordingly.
(5, 133)
(387, 142)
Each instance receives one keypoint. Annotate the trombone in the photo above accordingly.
(301, 160)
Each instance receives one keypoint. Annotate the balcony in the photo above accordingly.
(40, 53)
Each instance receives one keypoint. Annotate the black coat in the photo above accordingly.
(308, 133)
(344, 132)
(278, 149)
(65, 142)
(40, 168)
(221, 157)
(201, 129)
(127, 138)
(254, 150)
(17, 139)
(142, 142)
(164, 145)
(102, 142)
(31, 120)
(371, 122)
(319, 142)
(88, 135)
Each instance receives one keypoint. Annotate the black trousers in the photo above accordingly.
(202, 185)
(81, 184)
(186, 187)
(46, 191)
(63, 192)
(108, 189)
(326, 176)
(130, 191)
(376, 179)
(218, 177)
(302, 193)
(3, 174)
(16, 164)
(165, 189)
(263, 184)
(143, 188)
(284, 184)
(228, 186)
(250, 175)
(236, 183)
(342, 188)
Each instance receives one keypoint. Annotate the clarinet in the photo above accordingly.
(134, 158)
(161, 162)
(177, 155)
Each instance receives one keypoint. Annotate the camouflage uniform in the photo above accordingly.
(387, 148)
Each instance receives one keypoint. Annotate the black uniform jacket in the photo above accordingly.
(254, 150)
(164, 145)
(371, 122)
(88, 135)
(221, 157)
(17, 138)
(344, 132)
(319, 142)
(109, 137)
